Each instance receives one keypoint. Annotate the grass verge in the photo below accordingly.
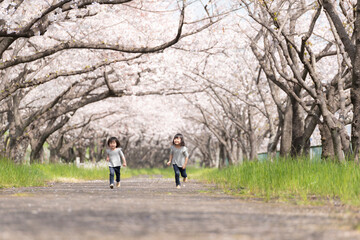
(301, 180)
(297, 180)
(13, 175)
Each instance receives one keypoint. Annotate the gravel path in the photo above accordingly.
(152, 208)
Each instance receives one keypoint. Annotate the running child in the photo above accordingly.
(114, 156)
(179, 157)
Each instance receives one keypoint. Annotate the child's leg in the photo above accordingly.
(111, 175)
(183, 172)
(177, 174)
(117, 172)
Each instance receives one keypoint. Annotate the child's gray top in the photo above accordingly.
(179, 155)
(115, 157)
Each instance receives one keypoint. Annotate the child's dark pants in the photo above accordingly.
(115, 170)
(179, 170)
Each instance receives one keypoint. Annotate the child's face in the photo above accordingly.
(112, 144)
(177, 140)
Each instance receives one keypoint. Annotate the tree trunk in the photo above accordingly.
(273, 142)
(326, 142)
(55, 150)
(355, 90)
(230, 152)
(211, 161)
(298, 121)
(37, 154)
(310, 124)
(334, 129)
(54, 156)
(81, 153)
(337, 145)
(253, 146)
(355, 99)
(345, 142)
(70, 155)
(100, 150)
(92, 152)
(252, 136)
(17, 146)
(239, 153)
(2, 147)
(222, 155)
(286, 132)
(17, 149)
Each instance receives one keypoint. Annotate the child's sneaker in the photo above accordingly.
(118, 184)
(111, 186)
(185, 179)
(178, 186)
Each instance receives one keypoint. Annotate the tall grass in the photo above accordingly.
(13, 175)
(298, 179)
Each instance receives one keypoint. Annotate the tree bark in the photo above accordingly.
(222, 155)
(355, 90)
(53, 156)
(298, 121)
(18, 143)
(345, 142)
(286, 132)
(252, 136)
(311, 122)
(326, 142)
(81, 151)
(92, 152)
(353, 51)
(38, 138)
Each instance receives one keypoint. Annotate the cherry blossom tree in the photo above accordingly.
(35, 44)
(234, 76)
(299, 58)
(344, 22)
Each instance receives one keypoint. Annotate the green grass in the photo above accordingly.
(299, 180)
(13, 175)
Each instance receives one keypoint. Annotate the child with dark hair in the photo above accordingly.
(114, 156)
(179, 157)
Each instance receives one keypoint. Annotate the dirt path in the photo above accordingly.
(146, 208)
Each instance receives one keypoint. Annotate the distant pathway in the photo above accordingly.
(152, 208)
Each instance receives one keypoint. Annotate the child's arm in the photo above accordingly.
(124, 161)
(170, 159)
(186, 155)
(186, 160)
(122, 157)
